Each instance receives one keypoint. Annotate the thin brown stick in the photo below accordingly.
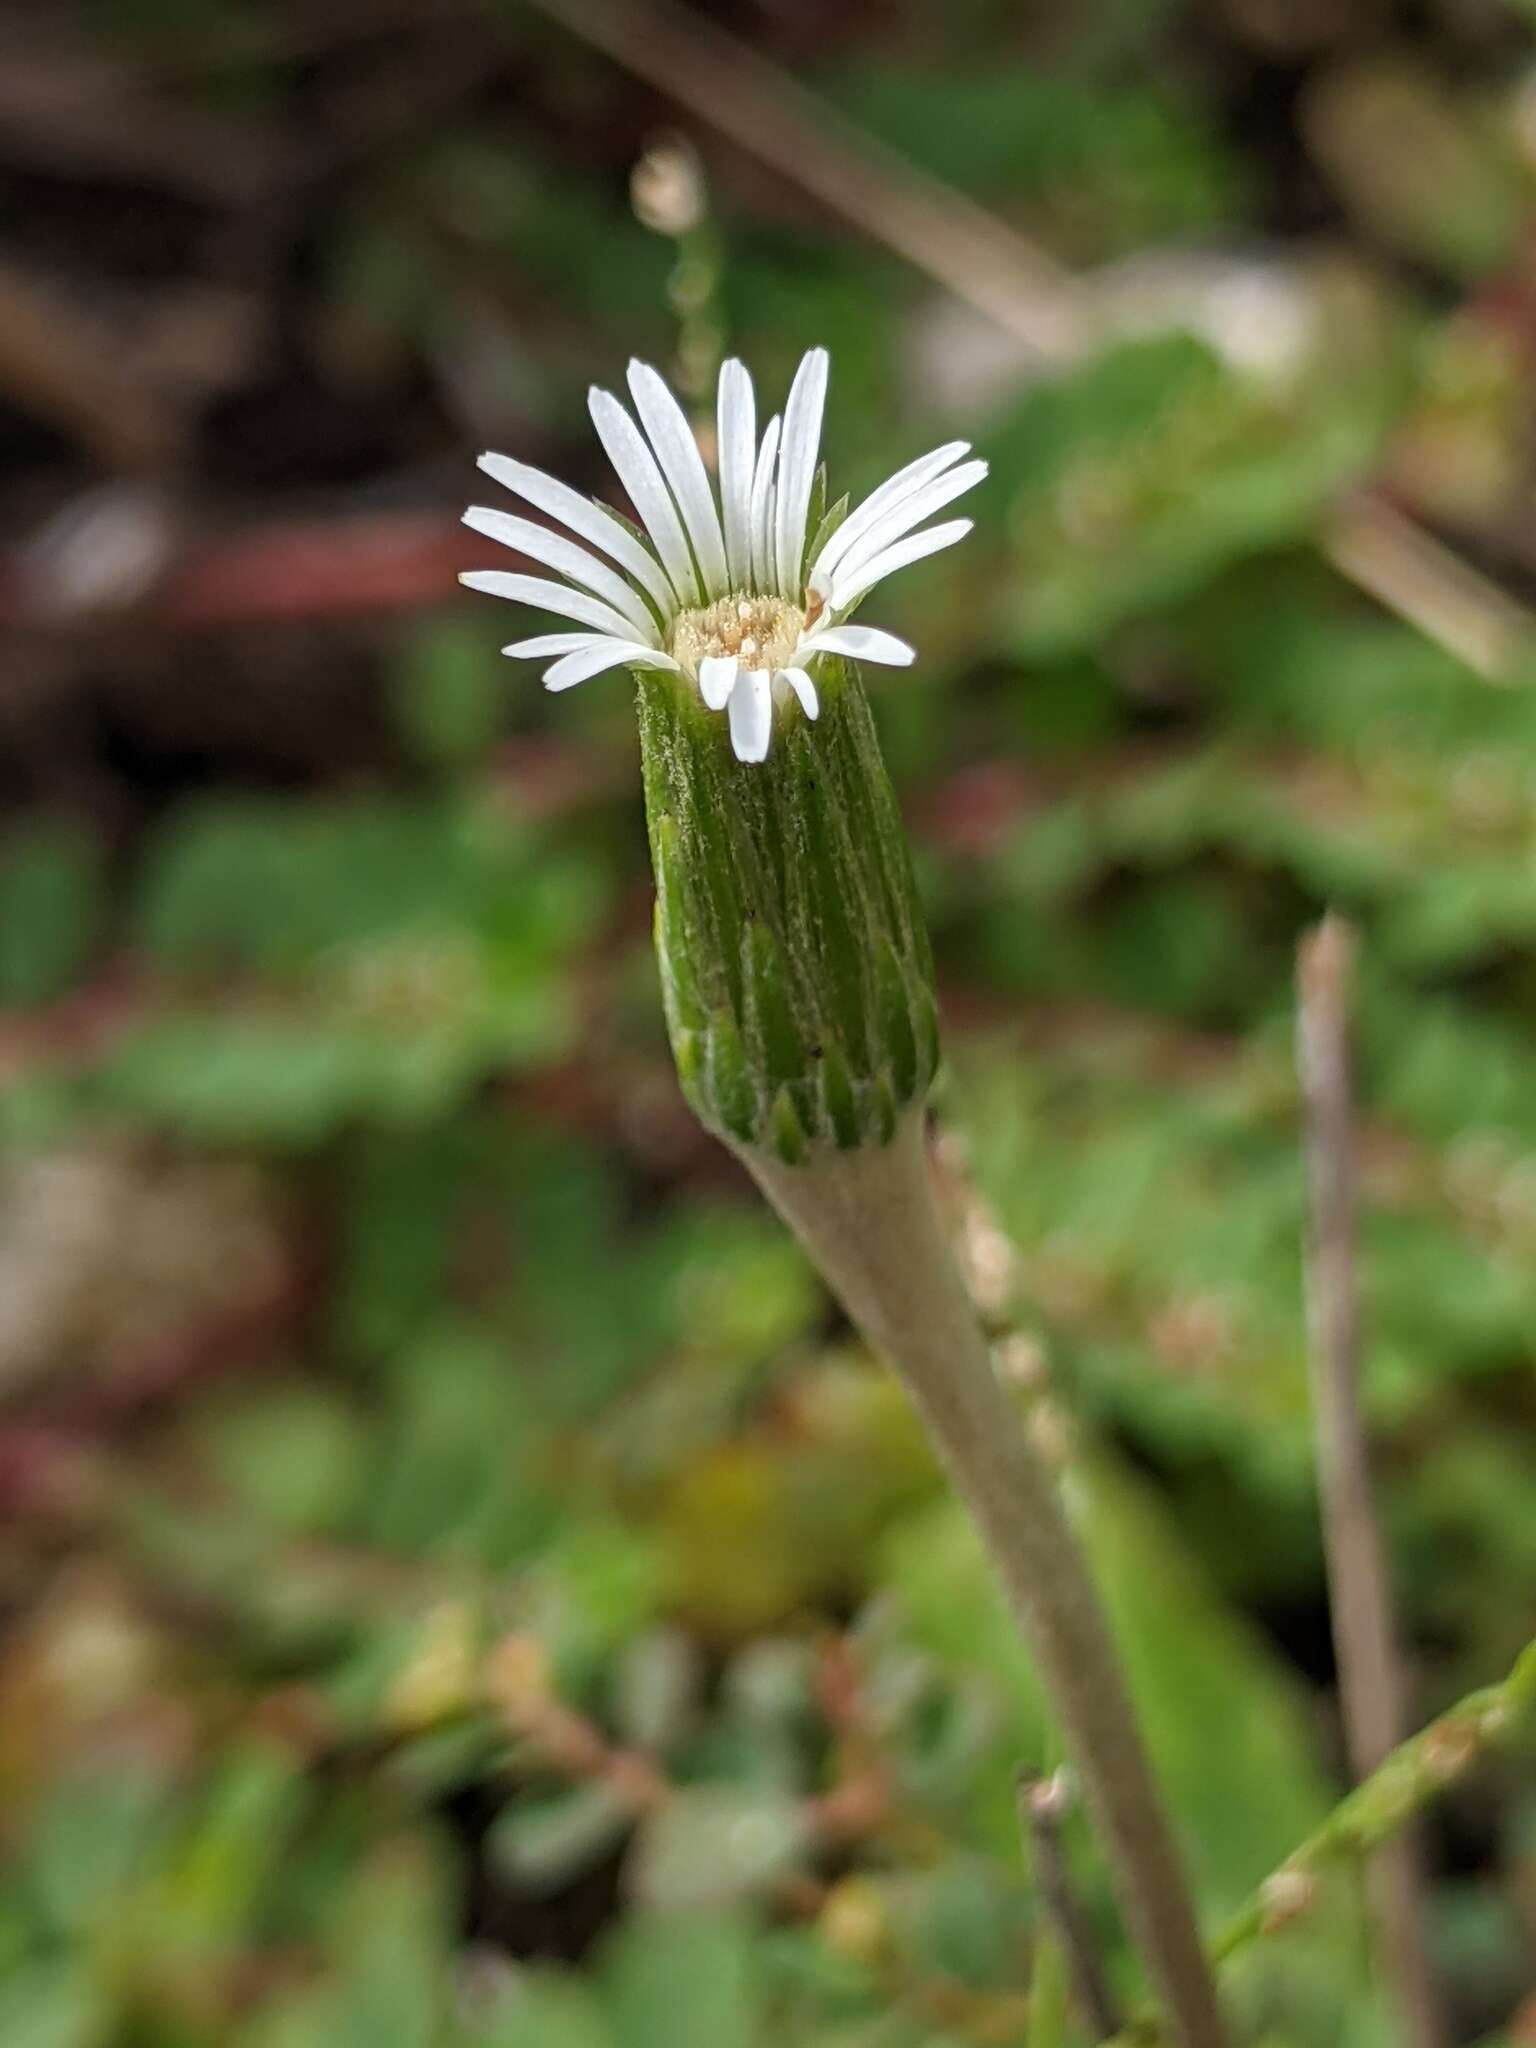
(1042, 1803)
(1360, 1595)
(1382, 551)
(58, 361)
(1002, 274)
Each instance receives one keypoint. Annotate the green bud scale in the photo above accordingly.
(795, 964)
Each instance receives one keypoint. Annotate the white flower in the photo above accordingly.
(723, 594)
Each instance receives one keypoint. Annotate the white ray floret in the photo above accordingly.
(637, 471)
(558, 598)
(566, 559)
(760, 517)
(582, 662)
(899, 519)
(803, 688)
(717, 679)
(736, 436)
(895, 488)
(861, 643)
(594, 523)
(717, 590)
(852, 584)
(751, 715)
(683, 467)
(545, 644)
(797, 468)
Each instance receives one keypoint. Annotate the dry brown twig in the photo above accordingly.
(1381, 550)
(65, 106)
(1042, 1804)
(1364, 1628)
(57, 359)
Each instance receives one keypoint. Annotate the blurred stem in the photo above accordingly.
(1042, 1804)
(1413, 1775)
(867, 1219)
(1359, 1581)
(1047, 1993)
(670, 194)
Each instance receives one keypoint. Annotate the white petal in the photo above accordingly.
(804, 689)
(543, 645)
(563, 556)
(594, 523)
(912, 549)
(736, 429)
(717, 676)
(637, 471)
(910, 512)
(797, 468)
(678, 453)
(751, 713)
(591, 661)
(545, 596)
(863, 643)
(880, 501)
(762, 507)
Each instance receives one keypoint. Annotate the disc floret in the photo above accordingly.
(758, 632)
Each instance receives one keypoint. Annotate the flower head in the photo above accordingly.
(735, 594)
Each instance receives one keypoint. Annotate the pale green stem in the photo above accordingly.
(867, 1219)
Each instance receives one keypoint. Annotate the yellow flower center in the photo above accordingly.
(760, 632)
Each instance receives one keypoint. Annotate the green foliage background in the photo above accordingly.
(463, 1584)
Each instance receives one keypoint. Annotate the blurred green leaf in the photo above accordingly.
(276, 886)
(293, 1455)
(545, 1843)
(448, 692)
(214, 1880)
(1421, 165)
(462, 1468)
(391, 1951)
(1231, 1739)
(1111, 165)
(713, 1844)
(681, 1980)
(1135, 479)
(51, 908)
(55, 2005)
(546, 2010)
(93, 1840)
(656, 1688)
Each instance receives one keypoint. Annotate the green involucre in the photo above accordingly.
(795, 965)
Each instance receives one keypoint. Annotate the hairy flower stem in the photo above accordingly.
(867, 1219)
